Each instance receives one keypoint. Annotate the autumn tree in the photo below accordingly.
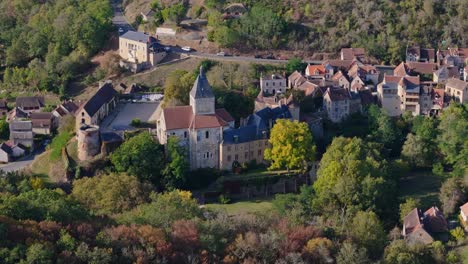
(291, 145)
(141, 156)
(451, 194)
(110, 194)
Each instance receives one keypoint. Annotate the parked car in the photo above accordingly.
(257, 56)
(270, 57)
(221, 53)
(167, 49)
(187, 48)
(121, 30)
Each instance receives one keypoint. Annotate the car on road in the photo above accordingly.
(258, 56)
(221, 53)
(270, 57)
(187, 48)
(121, 30)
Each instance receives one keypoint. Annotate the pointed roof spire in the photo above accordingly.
(201, 88)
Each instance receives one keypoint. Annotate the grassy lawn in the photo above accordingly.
(422, 185)
(463, 251)
(243, 207)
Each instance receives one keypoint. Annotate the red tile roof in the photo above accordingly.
(224, 115)
(422, 67)
(344, 64)
(308, 88)
(401, 70)
(434, 220)
(316, 69)
(207, 121)
(351, 53)
(177, 117)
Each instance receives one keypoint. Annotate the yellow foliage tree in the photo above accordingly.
(291, 145)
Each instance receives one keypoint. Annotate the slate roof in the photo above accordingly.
(275, 76)
(70, 106)
(263, 118)
(456, 84)
(30, 101)
(20, 125)
(110, 137)
(103, 96)
(137, 36)
(434, 220)
(242, 134)
(6, 148)
(338, 94)
(201, 88)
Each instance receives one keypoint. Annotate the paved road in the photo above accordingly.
(23, 162)
(119, 20)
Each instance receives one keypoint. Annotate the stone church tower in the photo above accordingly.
(202, 98)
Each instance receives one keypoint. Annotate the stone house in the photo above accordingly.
(341, 80)
(242, 145)
(273, 84)
(21, 132)
(399, 94)
(147, 14)
(98, 107)
(444, 73)
(323, 71)
(66, 108)
(336, 101)
(457, 89)
(421, 227)
(139, 51)
(295, 80)
(199, 125)
(452, 57)
(30, 104)
(353, 53)
(367, 73)
(42, 123)
(9, 151)
(418, 54)
(357, 84)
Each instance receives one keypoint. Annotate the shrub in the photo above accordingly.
(136, 122)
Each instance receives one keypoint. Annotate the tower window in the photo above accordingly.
(207, 134)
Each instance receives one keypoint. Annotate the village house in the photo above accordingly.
(341, 80)
(421, 228)
(452, 57)
(295, 80)
(42, 123)
(147, 14)
(323, 71)
(444, 73)
(336, 101)
(418, 54)
(9, 151)
(400, 94)
(367, 73)
(64, 109)
(310, 89)
(199, 125)
(98, 107)
(139, 51)
(272, 84)
(30, 104)
(21, 132)
(432, 99)
(353, 53)
(3, 108)
(457, 89)
(357, 84)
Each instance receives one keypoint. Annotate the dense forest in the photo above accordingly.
(383, 27)
(44, 44)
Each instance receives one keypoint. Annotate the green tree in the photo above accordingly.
(451, 194)
(165, 209)
(110, 194)
(453, 139)
(353, 175)
(399, 252)
(407, 207)
(39, 253)
(177, 166)
(295, 64)
(42, 205)
(174, 13)
(177, 87)
(4, 129)
(368, 232)
(351, 254)
(291, 145)
(140, 156)
(66, 241)
(384, 130)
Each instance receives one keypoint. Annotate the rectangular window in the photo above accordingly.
(229, 148)
(207, 155)
(259, 152)
(185, 134)
(228, 157)
(207, 134)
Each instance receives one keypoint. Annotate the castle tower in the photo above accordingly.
(202, 98)
(89, 142)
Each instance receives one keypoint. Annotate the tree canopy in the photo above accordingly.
(291, 144)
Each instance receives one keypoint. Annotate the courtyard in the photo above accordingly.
(121, 118)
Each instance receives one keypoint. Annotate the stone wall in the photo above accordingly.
(89, 142)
